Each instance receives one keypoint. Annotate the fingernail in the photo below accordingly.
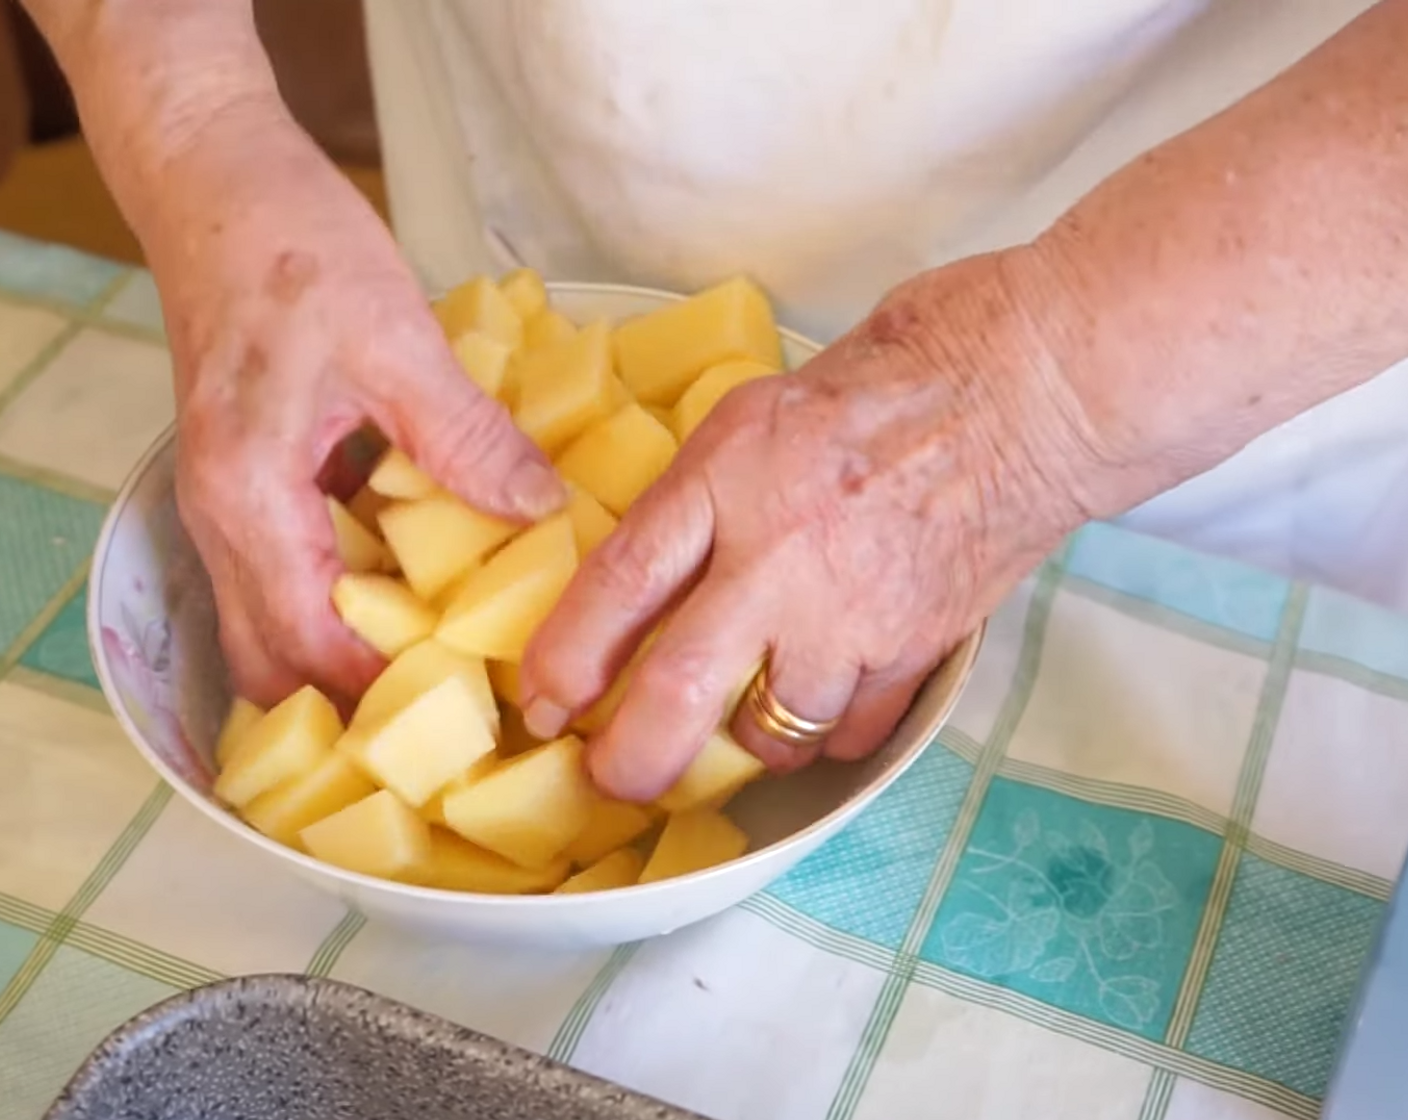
(535, 490)
(544, 719)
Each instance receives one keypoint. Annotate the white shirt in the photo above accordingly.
(832, 148)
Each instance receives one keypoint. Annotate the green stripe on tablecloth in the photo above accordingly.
(1268, 715)
(1327, 664)
(335, 943)
(114, 947)
(887, 1006)
(1158, 1095)
(70, 692)
(37, 364)
(78, 318)
(18, 912)
(1115, 795)
(139, 958)
(63, 925)
(1135, 1047)
(95, 315)
(569, 1034)
(10, 657)
(961, 743)
(126, 330)
(819, 935)
(1313, 867)
(1165, 618)
(53, 480)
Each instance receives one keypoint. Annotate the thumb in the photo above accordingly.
(463, 439)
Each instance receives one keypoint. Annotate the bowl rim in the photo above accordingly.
(965, 652)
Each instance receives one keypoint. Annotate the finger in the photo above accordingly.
(807, 679)
(880, 702)
(297, 581)
(678, 694)
(254, 674)
(619, 591)
(463, 439)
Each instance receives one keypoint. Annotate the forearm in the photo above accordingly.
(149, 76)
(1245, 271)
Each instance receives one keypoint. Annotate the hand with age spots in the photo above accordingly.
(294, 323)
(851, 522)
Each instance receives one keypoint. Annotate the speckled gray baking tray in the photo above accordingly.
(291, 1048)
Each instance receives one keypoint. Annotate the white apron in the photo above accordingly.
(830, 148)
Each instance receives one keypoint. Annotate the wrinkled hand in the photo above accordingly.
(851, 522)
(294, 323)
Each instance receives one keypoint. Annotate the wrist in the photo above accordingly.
(979, 336)
(155, 83)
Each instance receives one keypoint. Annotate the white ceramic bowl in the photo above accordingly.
(151, 626)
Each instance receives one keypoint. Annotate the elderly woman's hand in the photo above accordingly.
(850, 523)
(293, 323)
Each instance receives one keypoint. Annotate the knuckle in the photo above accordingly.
(683, 680)
(630, 566)
(467, 435)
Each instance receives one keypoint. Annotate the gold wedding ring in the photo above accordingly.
(775, 720)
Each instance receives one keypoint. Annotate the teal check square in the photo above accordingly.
(45, 538)
(62, 649)
(1211, 589)
(1342, 626)
(1283, 976)
(1091, 909)
(891, 848)
(53, 272)
(15, 946)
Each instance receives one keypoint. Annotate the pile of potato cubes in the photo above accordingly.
(435, 781)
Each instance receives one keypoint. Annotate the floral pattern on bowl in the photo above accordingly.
(147, 632)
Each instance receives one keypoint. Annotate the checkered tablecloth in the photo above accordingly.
(1134, 880)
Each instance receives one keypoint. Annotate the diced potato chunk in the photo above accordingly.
(364, 505)
(382, 611)
(566, 387)
(503, 679)
(357, 547)
(613, 824)
(395, 476)
(414, 673)
(379, 835)
(294, 737)
(241, 717)
(717, 772)
(451, 590)
(427, 744)
(526, 293)
(530, 808)
(287, 809)
(502, 603)
(440, 538)
(434, 809)
(483, 360)
(694, 841)
(547, 328)
(479, 305)
(458, 865)
(619, 869)
(658, 354)
(591, 523)
(713, 385)
(734, 697)
(616, 459)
